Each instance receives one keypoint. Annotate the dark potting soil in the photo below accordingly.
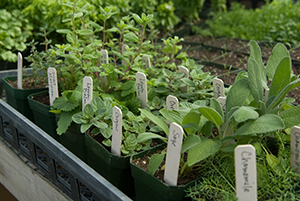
(265, 50)
(42, 98)
(295, 54)
(234, 59)
(197, 39)
(159, 174)
(228, 43)
(29, 83)
(205, 54)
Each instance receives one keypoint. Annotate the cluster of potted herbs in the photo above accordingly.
(122, 105)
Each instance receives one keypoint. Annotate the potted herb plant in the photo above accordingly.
(249, 116)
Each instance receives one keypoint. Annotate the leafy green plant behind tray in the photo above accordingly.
(274, 22)
(15, 30)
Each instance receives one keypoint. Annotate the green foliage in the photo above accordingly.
(276, 180)
(249, 115)
(166, 17)
(276, 21)
(14, 31)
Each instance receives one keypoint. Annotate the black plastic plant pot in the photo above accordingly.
(1, 90)
(116, 169)
(149, 188)
(74, 141)
(42, 117)
(17, 98)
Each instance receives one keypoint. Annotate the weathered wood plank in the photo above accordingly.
(22, 181)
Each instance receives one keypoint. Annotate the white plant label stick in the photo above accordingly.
(172, 103)
(20, 72)
(267, 94)
(141, 88)
(87, 91)
(295, 148)
(103, 60)
(186, 72)
(52, 84)
(245, 173)
(173, 154)
(116, 131)
(124, 46)
(146, 62)
(222, 101)
(218, 86)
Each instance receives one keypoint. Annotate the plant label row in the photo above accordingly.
(103, 61)
(123, 49)
(87, 91)
(173, 154)
(186, 72)
(141, 88)
(295, 148)
(245, 173)
(20, 71)
(146, 62)
(218, 87)
(52, 84)
(116, 131)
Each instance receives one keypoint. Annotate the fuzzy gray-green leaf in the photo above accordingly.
(255, 53)
(291, 117)
(149, 136)
(171, 115)
(217, 106)
(275, 101)
(278, 53)
(264, 124)
(282, 76)
(189, 142)
(156, 120)
(155, 162)
(245, 113)
(206, 148)
(237, 94)
(255, 81)
(211, 114)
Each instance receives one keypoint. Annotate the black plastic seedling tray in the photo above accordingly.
(58, 165)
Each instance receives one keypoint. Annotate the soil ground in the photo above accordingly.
(222, 60)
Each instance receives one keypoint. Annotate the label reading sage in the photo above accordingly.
(173, 154)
